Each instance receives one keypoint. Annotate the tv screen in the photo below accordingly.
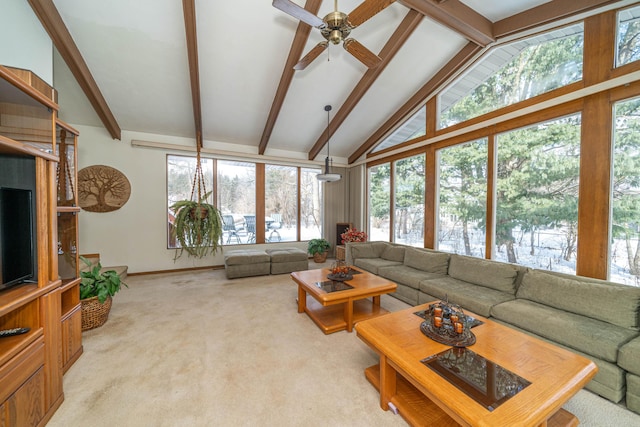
(16, 237)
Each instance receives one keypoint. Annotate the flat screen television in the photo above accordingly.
(17, 252)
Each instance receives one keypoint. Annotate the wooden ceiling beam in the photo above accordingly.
(544, 14)
(396, 41)
(189, 10)
(52, 22)
(295, 53)
(457, 16)
(461, 59)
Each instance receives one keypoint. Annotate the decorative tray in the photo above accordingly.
(339, 277)
(447, 323)
(446, 335)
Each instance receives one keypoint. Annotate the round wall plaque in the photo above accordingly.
(102, 189)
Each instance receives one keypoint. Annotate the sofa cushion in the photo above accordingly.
(245, 256)
(430, 261)
(598, 299)
(393, 253)
(286, 255)
(591, 336)
(363, 250)
(468, 295)
(609, 381)
(408, 276)
(373, 264)
(491, 274)
(629, 356)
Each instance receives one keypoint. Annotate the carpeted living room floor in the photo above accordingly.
(196, 349)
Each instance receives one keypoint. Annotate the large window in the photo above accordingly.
(379, 202)
(537, 195)
(236, 191)
(180, 174)
(409, 201)
(237, 200)
(628, 40)
(310, 204)
(625, 228)
(462, 196)
(281, 202)
(514, 72)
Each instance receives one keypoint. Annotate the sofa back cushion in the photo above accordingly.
(365, 250)
(490, 274)
(393, 253)
(607, 301)
(430, 261)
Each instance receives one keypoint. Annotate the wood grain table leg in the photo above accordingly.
(348, 314)
(376, 300)
(302, 299)
(387, 382)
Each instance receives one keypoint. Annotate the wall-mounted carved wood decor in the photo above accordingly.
(102, 189)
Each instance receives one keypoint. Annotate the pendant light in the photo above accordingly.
(327, 176)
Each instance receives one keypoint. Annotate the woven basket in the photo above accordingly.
(320, 258)
(94, 314)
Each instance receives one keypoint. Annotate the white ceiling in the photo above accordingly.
(136, 51)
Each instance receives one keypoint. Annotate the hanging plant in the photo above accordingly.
(198, 224)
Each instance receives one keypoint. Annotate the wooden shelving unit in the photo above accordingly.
(33, 146)
(68, 258)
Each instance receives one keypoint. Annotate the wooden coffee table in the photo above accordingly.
(337, 310)
(423, 397)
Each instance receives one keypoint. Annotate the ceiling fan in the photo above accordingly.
(335, 27)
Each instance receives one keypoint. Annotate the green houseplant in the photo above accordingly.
(319, 248)
(198, 227)
(198, 224)
(96, 291)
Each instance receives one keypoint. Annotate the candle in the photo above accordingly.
(437, 321)
(437, 311)
(453, 318)
(459, 327)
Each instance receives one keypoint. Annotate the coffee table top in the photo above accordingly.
(363, 284)
(555, 374)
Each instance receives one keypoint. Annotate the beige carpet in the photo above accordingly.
(200, 350)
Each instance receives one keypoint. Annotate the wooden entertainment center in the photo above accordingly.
(38, 152)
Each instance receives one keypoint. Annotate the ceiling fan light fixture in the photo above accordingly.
(328, 176)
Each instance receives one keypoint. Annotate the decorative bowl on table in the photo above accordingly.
(448, 324)
(339, 272)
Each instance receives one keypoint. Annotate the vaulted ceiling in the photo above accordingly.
(221, 72)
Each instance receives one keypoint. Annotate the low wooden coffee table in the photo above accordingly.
(335, 310)
(423, 396)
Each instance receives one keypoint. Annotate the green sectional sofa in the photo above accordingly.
(595, 318)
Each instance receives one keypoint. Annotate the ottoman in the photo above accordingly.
(246, 262)
(629, 360)
(286, 260)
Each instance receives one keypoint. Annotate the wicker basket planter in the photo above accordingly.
(320, 257)
(94, 314)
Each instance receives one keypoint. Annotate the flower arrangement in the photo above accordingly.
(353, 235)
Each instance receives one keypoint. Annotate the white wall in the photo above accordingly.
(25, 44)
(136, 234)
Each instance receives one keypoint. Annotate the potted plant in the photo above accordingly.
(319, 248)
(96, 291)
(198, 227)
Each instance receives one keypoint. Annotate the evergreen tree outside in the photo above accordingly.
(537, 69)
(409, 200)
(625, 227)
(379, 201)
(462, 198)
(537, 195)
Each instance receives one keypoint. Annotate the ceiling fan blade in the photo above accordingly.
(309, 57)
(361, 53)
(366, 10)
(290, 8)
